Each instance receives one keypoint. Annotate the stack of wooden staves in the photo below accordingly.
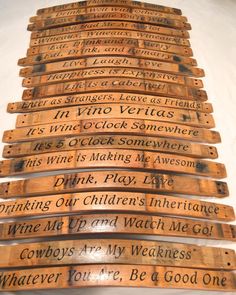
(113, 97)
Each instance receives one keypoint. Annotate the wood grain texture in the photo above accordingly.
(112, 126)
(130, 142)
(110, 72)
(111, 158)
(110, 180)
(111, 201)
(121, 111)
(112, 176)
(92, 3)
(108, 9)
(116, 224)
(106, 97)
(95, 34)
(117, 275)
(111, 61)
(84, 43)
(57, 22)
(86, 51)
(115, 61)
(99, 25)
(115, 84)
(86, 251)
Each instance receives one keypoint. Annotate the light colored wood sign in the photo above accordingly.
(117, 275)
(112, 158)
(121, 111)
(107, 9)
(103, 51)
(112, 126)
(97, 34)
(106, 97)
(116, 84)
(107, 72)
(87, 251)
(99, 25)
(115, 201)
(57, 22)
(110, 72)
(94, 3)
(116, 224)
(130, 142)
(110, 180)
(84, 43)
(111, 61)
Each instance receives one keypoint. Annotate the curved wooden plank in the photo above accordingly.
(92, 3)
(121, 111)
(138, 43)
(87, 251)
(116, 84)
(99, 25)
(51, 23)
(106, 97)
(123, 201)
(69, 76)
(112, 126)
(154, 144)
(110, 180)
(117, 275)
(95, 34)
(108, 9)
(111, 158)
(111, 61)
(100, 50)
(116, 224)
